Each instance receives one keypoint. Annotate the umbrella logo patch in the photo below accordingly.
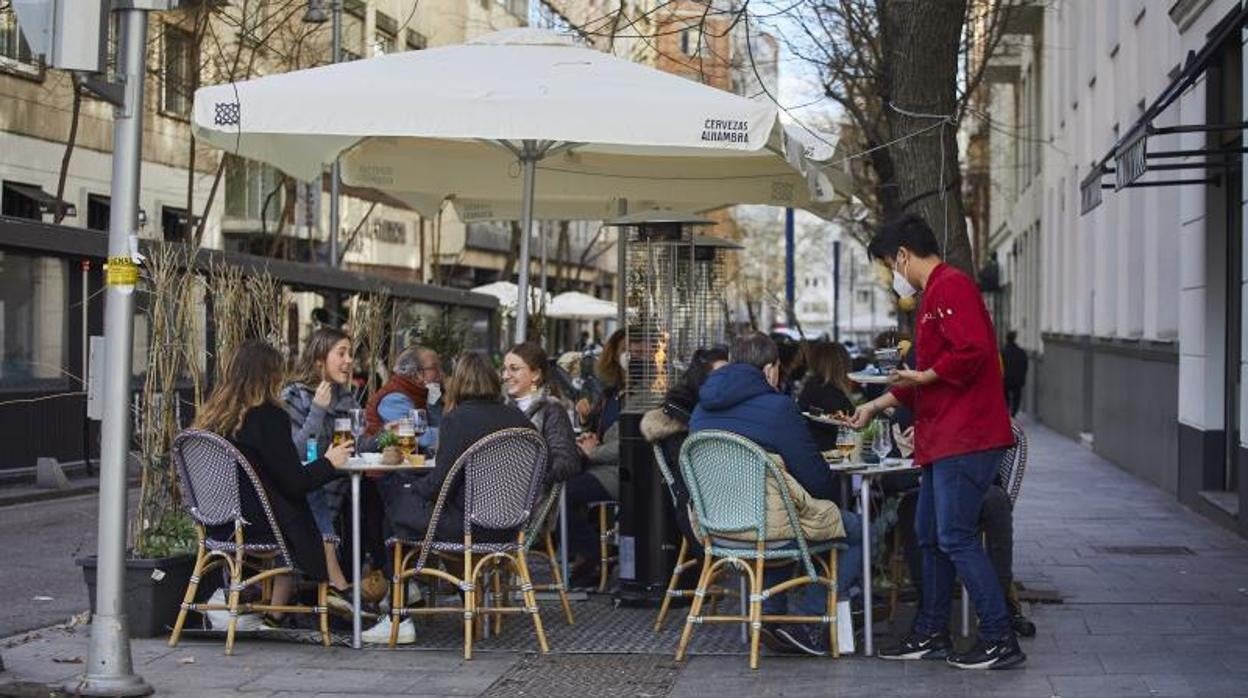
(725, 131)
(227, 114)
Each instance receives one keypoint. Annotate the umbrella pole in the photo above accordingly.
(528, 165)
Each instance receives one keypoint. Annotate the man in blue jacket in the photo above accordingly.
(742, 398)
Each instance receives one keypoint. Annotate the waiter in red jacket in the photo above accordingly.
(962, 428)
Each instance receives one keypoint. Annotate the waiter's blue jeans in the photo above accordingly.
(946, 523)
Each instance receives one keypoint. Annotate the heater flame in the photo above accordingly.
(659, 385)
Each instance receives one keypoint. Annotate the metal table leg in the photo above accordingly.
(355, 560)
(864, 505)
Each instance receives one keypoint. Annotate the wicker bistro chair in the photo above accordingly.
(684, 558)
(727, 479)
(208, 467)
(502, 478)
(608, 529)
(541, 527)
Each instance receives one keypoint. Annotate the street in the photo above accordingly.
(40, 541)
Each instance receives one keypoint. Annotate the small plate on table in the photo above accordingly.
(821, 418)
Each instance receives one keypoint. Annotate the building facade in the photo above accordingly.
(1114, 203)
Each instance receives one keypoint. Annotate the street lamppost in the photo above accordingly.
(317, 14)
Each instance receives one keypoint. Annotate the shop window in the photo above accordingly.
(33, 322)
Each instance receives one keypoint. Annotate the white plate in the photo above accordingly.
(872, 378)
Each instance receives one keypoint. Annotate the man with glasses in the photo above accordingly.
(416, 383)
(962, 428)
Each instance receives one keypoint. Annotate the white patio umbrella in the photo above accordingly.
(507, 293)
(466, 121)
(574, 305)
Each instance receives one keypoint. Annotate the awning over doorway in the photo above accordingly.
(46, 202)
(1130, 158)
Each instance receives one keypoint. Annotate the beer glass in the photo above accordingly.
(342, 430)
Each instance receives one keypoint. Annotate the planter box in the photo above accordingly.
(151, 604)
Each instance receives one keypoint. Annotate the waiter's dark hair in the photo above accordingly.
(755, 349)
(909, 231)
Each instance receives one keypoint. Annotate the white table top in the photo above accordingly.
(357, 465)
(890, 466)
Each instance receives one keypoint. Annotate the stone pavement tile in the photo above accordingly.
(1128, 686)
(1129, 659)
(1206, 684)
(331, 679)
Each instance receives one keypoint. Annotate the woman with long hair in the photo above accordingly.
(826, 390)
(474, 409)
(244, 407)
(526, 380)
(320, 392)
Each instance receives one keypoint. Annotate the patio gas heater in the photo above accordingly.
(664, 312)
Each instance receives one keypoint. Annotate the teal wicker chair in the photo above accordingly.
(727, 479)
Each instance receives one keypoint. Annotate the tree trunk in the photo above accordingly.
(61, 210)
(920, 41)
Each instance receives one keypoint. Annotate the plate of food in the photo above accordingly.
(824, 418)
(873, 375)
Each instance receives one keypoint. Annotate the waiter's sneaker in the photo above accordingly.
(380, 634)
(917, 646)
(999, 654)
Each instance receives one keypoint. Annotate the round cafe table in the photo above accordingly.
(356, 468)
(868, 472)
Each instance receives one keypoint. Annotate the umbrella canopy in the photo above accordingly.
(575, 305)
(507, 293)
(454, 122)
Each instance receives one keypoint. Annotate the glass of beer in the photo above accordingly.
(846, 440)
(406, 438)
(342, 430)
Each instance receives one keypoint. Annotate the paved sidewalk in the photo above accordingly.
(1154, 601)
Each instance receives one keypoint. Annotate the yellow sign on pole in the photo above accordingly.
(121, 271)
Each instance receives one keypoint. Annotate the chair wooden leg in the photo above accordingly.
(470, 601)
(671, 584)
(557, 573)
(499, 600)
(834, 628)
(530, 599)
(322, 610)
(756, 605)
(696, 608)
(232, 601)
(396, 596)
(201, 558)
(603, 553)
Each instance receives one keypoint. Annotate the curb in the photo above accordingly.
(7, 500)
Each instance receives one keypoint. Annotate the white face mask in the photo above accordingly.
(435, 392)
(624, 360)
(901, 286)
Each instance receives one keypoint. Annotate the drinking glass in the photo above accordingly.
(342, 430)
(846, 440)
(358, 423)
(420, 421)
(882, 441)
(406, 434)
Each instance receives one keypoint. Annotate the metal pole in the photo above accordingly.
(790, 312)
(355, 559)
(542, 234)
(836, 290)
(335, 172)
(109, 671)
(528, 163)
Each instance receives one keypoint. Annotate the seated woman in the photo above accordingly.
(526, 380)
(600, 449)
(826, 389)
(244, 407)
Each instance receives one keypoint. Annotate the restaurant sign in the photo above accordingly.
(1131, 158)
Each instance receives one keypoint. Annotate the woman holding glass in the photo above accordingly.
(319, 401)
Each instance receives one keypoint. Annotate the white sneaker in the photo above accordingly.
(380, 634)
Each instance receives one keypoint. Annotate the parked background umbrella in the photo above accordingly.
(466, 120)
(575, 305)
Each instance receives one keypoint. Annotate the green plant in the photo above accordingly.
(444, 334)
(173, 534)
(386, 439)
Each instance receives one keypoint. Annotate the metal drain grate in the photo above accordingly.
(588, 675)
(1143, 550)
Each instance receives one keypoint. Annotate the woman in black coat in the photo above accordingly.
(474, 410)
(826, 390)
(244, 407)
